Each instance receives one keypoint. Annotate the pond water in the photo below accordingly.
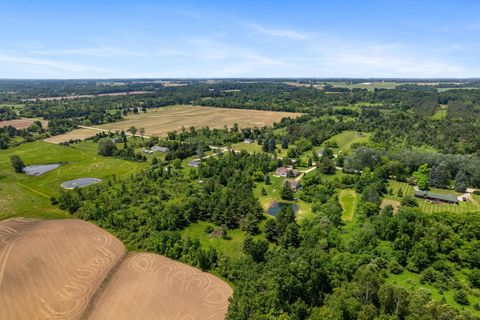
(80, 182)
(40, 169)
(275, 207)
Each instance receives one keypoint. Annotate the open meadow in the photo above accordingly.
(160, 121)
(346, 139)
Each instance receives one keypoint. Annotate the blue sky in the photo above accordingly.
(119, 39)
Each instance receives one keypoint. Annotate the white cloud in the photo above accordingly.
(278, 33)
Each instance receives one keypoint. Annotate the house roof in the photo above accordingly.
(431, 195)
(194, 163)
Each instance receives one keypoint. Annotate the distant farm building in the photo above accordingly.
(160, 149)
(435, 197)
(248, 141)
(320, 153)
(283, 172)
(194, 163)
(147, 151)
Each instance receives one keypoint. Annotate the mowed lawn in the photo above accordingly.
(29, 196)
(160, 121)
(346, 139)
(469, 206)
(348, 199)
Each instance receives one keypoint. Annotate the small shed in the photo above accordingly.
(248, 141)
(160, 149)
(194, 163)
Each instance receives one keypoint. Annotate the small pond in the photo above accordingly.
(40, 169)
(80, 182)
(275, 207)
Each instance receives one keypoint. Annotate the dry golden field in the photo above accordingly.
(74, 134)
(22, 123)
(163, 120)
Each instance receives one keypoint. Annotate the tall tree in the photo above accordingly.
(17, 163)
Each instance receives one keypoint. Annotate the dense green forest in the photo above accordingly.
(380, 145)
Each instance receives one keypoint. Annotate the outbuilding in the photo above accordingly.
(436, 197)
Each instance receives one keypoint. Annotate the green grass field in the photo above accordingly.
(29, 196)
(411, 281)
(440, 114)
(348, 199)
(470, 206)
(346, 139)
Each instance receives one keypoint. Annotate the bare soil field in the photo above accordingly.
(51, 269)
(71, 269)
(162, 120)
(74, 134)
(178, 291)
(22, 123)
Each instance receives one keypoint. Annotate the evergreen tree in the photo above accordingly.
(461, 181)
(17, 163)
(286, 193)
(267, 179)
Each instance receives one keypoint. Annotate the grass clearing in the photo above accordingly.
(348, 199)
(29, 196)
(411, 281)
(346, 139)
(231, 246)
(370, 86)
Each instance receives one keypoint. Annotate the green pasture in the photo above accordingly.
(348, 199)
(29, 196)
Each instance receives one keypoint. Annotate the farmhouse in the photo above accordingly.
(160, 149)
(194, 163)
(283, 172)
(446, 198)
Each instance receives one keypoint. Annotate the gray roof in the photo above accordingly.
(431, 195)
(160, 149)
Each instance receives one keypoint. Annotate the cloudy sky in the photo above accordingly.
(119, 39)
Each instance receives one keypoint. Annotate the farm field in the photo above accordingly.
(71, 269)
(55, 266)
(29, 196)
(22, 123)
(370, 85)
(346, 139)
(163, 120)
(74, 134)
(468, 206)
(441, 113)
(148, 285)
(348, 199)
